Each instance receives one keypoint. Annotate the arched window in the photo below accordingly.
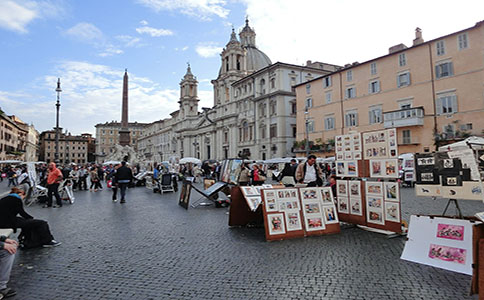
(245, 131)
(262, 86)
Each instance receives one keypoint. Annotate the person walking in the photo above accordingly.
(82, 183)
(114, 186)
(74, 175)
(54, 177)
(123, 178)
(100, 175)
(257, 175)
(309, 172)
(11, 175)
(94, 179)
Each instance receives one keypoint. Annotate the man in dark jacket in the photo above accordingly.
(8, 248)
(123, 177)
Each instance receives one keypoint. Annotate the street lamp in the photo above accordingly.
(57, 105)
(307, 131)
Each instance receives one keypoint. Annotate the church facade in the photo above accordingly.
(253, 114)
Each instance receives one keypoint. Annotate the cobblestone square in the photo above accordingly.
(150, 248)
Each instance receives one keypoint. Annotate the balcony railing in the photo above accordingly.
(413, 140)
(404, 117)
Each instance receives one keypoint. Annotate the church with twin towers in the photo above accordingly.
(253, 114)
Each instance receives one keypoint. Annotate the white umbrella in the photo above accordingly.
(10, 161)
(112, 162)
(192, 160)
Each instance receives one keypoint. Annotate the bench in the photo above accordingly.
(6, 232)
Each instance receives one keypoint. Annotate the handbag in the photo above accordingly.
(262, 178)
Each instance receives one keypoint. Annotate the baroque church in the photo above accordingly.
(253, 114)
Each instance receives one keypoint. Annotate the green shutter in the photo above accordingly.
(438, 106)
(454, 103)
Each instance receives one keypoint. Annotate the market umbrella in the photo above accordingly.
(112, 162)
(10, 161)
(192, 160)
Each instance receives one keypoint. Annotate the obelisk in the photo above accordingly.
(124, 138)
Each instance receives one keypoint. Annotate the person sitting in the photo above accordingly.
(37, 232)
(8, 248)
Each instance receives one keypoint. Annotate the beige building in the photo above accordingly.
(107, 136)
(13, 138)
(72, 148)
(432, 93)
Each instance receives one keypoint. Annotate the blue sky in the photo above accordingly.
(89, 43)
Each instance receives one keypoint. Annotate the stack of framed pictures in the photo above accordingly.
(231, 171)
(348, 153)
(350, 201)
(382, 152)
(383, 204)
(296, 212)
(252, 195)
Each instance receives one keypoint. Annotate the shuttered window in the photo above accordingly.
(444, 70)
(447, 104)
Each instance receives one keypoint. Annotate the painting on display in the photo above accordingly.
(312, 209)
(392, 212)
(330, 215)
(348, 147)
(355, 206)
(293, 221)
(342, 188)
(391, 191)
(384, 168)
(276, 224)
(374, 188)
(327, 195)
(270, 200)
(380, 144)
(354, 188)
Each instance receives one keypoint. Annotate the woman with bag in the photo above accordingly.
(94, 179)
(35, 233)
(258, 176)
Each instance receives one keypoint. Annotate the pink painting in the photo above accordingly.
(451, 232)
(449, 254)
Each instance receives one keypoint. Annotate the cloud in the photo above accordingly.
(201, 9)
(16, 17)
(154, 32)
(208, 49)
(182, 49)
(91, 94)
(86, 32)
(129, 41)
(143, 22)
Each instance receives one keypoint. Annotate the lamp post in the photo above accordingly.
(57, 105)
(307, 131)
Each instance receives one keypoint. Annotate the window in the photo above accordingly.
(294, 130)
(273, 131)
(375, 114)
(406, 137)
(273, 83)
(374, 87)
(309, 103)
(466, 127)
(308, 88)
(373, 68)
(327, 82)
(462, 40)
(444, 70)
(329, 123)
(310, 125)
(350, 92)
(449, 130)
(293, 107)
(263, 132)
(349, 75)
(351, 118)
(273, 108)
(440, 48)
(262, 86)
(328, 96)
(402, 60)
(447, 104)
(403, 79)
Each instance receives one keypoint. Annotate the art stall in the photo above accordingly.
(367, 188)
(454, 243)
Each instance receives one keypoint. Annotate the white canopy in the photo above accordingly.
(278, 160)
(112, 162)
(192, 160)
(474, 141)
(10, 161)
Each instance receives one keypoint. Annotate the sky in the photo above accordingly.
(88, 44)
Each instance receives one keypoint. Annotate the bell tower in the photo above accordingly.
(188, 94)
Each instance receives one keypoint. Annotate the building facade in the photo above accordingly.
(107, 136)
(72, 148)
(432, 93)
(254, 111)
(13, 138)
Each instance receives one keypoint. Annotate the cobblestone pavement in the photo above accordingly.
(150, 248)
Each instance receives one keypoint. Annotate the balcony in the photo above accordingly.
(413, 140)
(404, 117)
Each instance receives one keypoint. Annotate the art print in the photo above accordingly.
(448, 163)
(391, 168)
(357, 155)
(309, 194)
(270, 194)
(276, 224)
(271, 204)
(392, 212)
(375, 168)
(352, 168)
(314, 223)
(348, 154)
(254, 202)
(330, 215)
(257, 189)
(291, 205)
(427, 177)
(343, 205)
(449, 254)
(451, 232)
(342, 187)
(375, 217)
(451, 180)
(339, 156)
(327, 195)
(312, 208)
(426, 161)
(249, 191)
(340, 169)
(375, 202)
(355, 188)
(391, 191)
(355, 206)
(293, 221)
(374, 188)
(267, 186)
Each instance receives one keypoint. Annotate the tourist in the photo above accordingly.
(54, 177)
(94, 179)
(74, 176)
(123, 178)
(35, 233)
(114, 186)
(8, 248)
(309, 172)
(82, 183)
(100, 175)
(244, 177)
(11, 175)
(257, 175)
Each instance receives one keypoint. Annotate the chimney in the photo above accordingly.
(418, 37)
(396, 48)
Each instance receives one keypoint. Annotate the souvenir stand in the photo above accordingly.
(368, 193)
(448, 242)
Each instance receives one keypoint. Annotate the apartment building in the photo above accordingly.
(72, 148)
(431, 92)
(13, 138)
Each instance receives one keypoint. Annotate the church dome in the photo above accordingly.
(256, 59)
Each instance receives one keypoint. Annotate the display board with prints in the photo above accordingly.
(350, 201)
(348, 153)
(381, 149)
(252, 195)
(383, 205)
